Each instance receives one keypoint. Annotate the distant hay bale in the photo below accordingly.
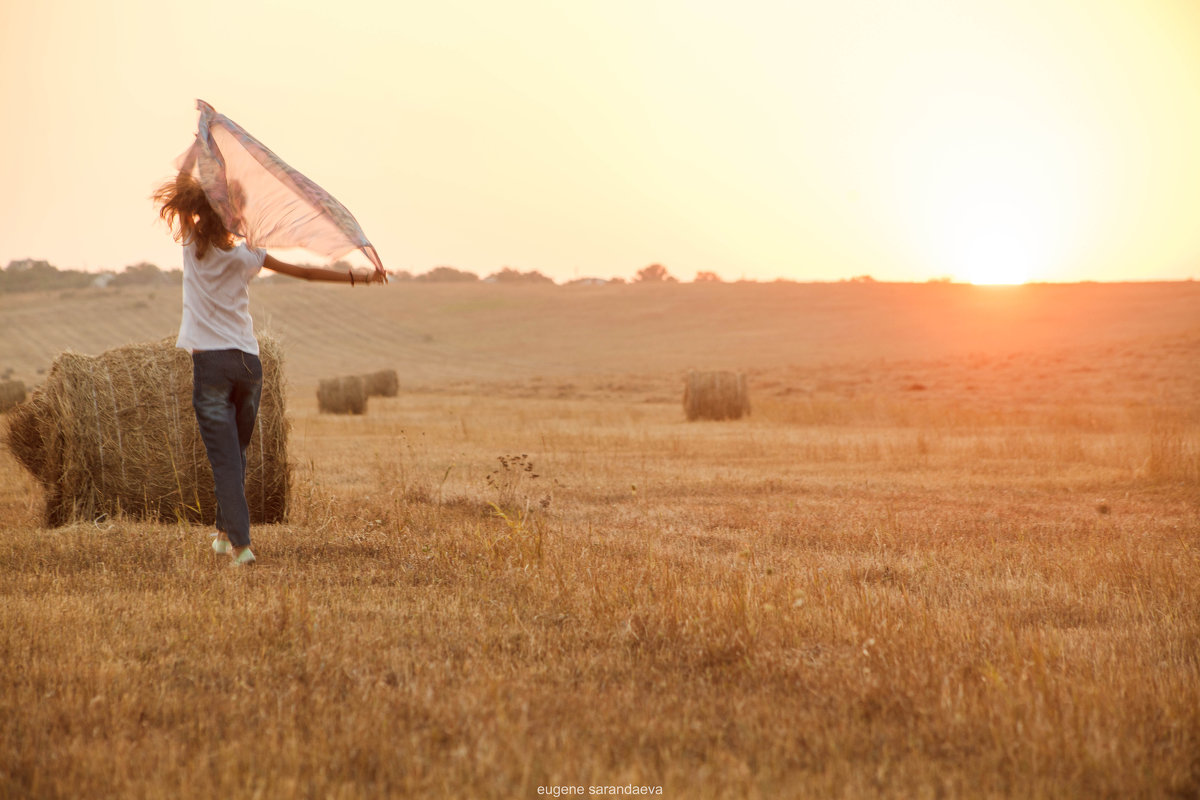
(345, 395)
(384, 383)
(715, 395)
(11, 393)
(116, 434)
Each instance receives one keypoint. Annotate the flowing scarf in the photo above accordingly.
(262, 199)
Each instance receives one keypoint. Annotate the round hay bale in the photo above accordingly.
(715, 395)
(11, 394)
(345, 395)
(116, 434)
(384, 383)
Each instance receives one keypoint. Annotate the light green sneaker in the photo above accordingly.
(221, 546)
(244, 559)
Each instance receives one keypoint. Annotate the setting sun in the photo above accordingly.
(991, 209)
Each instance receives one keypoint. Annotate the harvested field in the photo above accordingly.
(985, 587)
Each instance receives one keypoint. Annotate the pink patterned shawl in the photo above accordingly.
(262, 199)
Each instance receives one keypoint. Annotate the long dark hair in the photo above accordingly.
(187, 212)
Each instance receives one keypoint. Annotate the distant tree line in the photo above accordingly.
(655, 273)
(28, 275)
(452, 275)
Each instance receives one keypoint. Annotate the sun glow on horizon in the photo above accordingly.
(992, 218)
(994, 170)
(1001, 277)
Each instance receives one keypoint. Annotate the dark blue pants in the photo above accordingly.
(226, 388)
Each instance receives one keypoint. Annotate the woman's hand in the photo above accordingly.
(350, 276)
(369, 276)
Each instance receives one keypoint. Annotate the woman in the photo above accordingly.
(216, 327)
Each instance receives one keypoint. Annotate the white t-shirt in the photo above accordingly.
(216, 303)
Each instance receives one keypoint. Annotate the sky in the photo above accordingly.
(991, 141)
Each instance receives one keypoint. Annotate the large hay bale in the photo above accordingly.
(715, 395)
(11, 393)
(116, 433)
(384, 383)
(345, 395)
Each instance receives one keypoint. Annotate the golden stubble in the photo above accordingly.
(477, 596)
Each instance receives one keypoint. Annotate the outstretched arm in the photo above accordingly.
(322, 274)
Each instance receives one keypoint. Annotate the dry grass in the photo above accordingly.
(954, 552)
(892, 596)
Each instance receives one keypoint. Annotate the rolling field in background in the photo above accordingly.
(954, 551)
